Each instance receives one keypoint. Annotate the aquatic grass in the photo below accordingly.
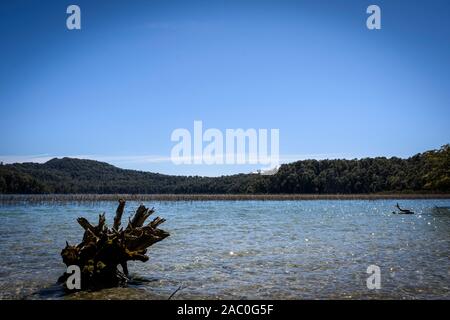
(18, 198)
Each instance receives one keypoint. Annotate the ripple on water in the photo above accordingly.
(244, 250)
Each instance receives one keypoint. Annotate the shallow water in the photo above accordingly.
(244, 250)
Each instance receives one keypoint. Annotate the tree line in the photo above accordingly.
(424, 172)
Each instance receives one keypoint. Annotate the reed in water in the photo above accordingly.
(209, 197)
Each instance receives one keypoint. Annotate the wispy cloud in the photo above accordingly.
(41, 158)
(148, 159)
(104, 158)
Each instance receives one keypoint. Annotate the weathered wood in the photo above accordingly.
(119, 213)
(404, 211)
(102, 249)
(142, 213)
(86, 225)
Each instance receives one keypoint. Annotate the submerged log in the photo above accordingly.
(404, 211)
(102, 249)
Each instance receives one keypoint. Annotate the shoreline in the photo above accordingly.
(8, 198)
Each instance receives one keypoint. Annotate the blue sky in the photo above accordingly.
(137, 70)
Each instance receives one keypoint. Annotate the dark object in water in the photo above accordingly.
(103, 249)
(402, 211)
(441, 210)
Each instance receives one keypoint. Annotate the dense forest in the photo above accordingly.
(424, 172)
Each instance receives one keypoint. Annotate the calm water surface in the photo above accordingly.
(244, 250)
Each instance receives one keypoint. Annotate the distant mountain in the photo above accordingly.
(425, 172)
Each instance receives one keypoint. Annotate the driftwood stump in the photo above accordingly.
(103, 249)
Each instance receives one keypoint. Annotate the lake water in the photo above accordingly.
(244, 250)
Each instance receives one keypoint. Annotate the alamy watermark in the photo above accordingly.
(234, 146)
(373, 22)
(73, 21)
(73, 281)
(374, 280)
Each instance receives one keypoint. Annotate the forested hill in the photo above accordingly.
(425, 172)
